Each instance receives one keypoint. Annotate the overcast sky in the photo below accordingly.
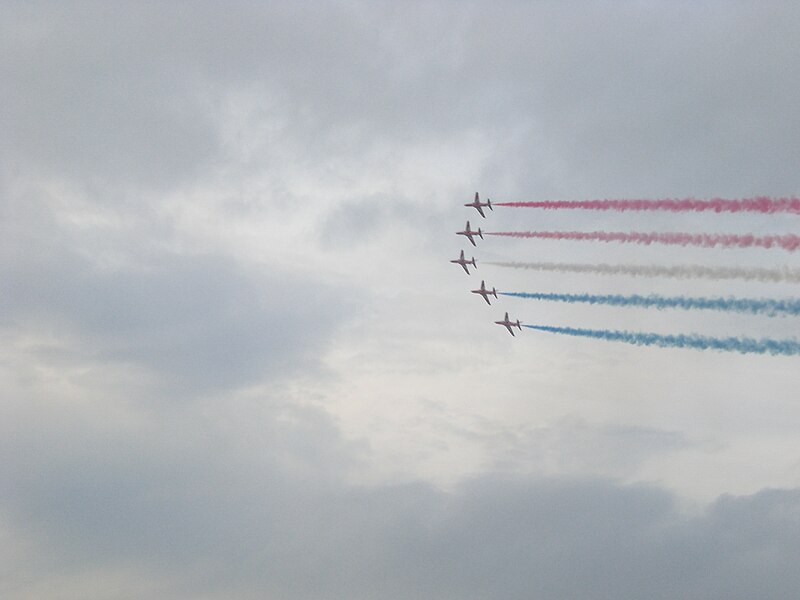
(236, 362)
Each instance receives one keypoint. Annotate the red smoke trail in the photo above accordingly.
(788, 242)
(759, 204)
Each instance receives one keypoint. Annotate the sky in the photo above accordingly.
(236, 360)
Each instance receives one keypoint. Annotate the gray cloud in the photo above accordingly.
(198, 321)
(247, 111)
(136, 94)
(170, 505)
(574, 447)
(133, 95)
(94, 95)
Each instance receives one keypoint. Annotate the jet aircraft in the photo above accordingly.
(464, 262)
(468, 233)
(485, 293)
(509, 324)
(477, 205)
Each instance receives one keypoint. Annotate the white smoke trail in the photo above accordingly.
(776, 275)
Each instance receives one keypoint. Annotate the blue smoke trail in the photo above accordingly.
(730, 344)
(745, 305)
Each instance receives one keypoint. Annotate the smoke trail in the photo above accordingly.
(759, 204)
(779, 275)
(745, 305)
(789, 242)
(731, 344)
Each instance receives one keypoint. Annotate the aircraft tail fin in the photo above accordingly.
(489, 204)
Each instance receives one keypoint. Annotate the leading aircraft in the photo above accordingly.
(509, 324)
(468, 233)
(485, 293)
(477, 205)
(464, 262)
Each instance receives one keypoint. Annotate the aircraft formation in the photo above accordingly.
(768, 307)
(483, 291)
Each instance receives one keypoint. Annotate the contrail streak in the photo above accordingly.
(759, 204)
(789, 242)
(754, 306)
(731, 344)
(778, 275)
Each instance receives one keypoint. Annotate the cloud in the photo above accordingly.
(237, 518)
(196, 321)
(181, 186)
(571, 446)
(112, 292)
(94, 95)
(704, 89)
